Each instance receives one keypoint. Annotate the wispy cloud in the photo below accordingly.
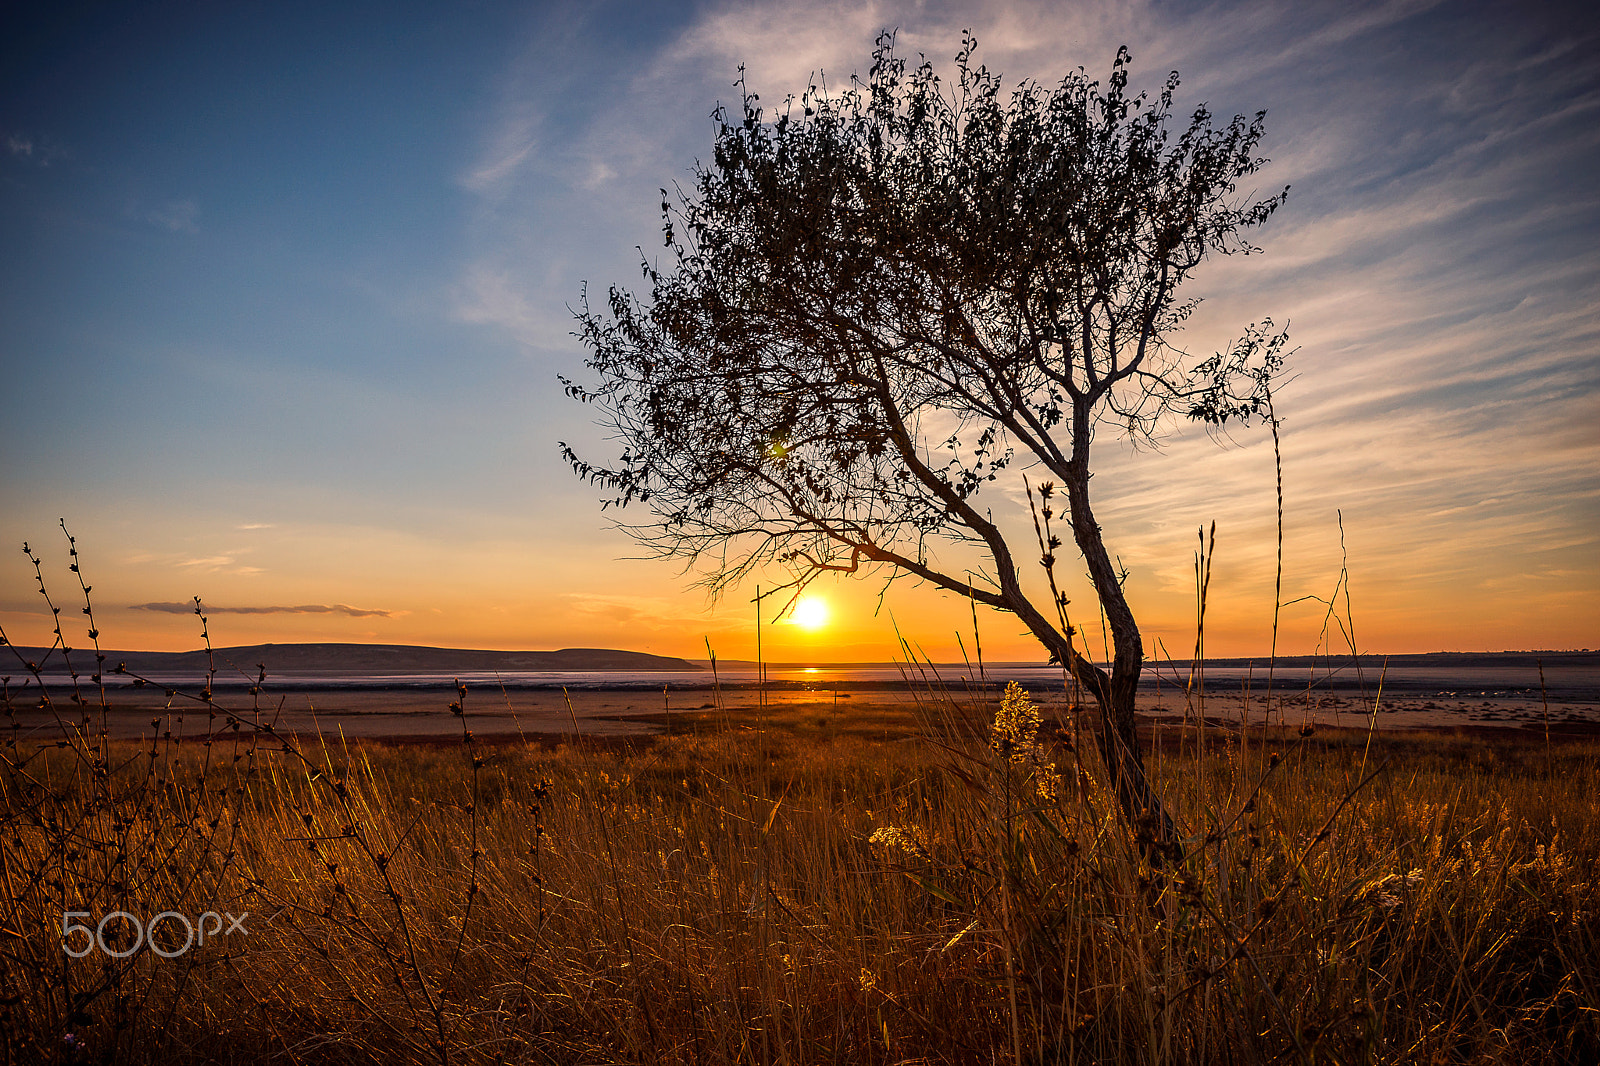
(217, 563)
(784, 47)
(308, 608)
(513, 143)
(26, 148)
(178, 216)
(515, 139)
(495, 295)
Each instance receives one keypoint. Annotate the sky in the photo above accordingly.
(285, 290)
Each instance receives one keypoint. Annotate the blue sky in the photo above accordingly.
(284, 291)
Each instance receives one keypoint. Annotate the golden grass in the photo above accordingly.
(732, 894)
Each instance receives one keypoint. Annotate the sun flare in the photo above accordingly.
(810, 613)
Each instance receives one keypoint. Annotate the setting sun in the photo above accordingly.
(810, 613)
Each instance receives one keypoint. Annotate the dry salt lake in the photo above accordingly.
(400, 693)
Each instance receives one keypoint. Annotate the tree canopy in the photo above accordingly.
(876, 303)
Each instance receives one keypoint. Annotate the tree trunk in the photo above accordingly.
(1118, 737)
(1117, 740)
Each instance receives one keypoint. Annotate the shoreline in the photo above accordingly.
(544, 715)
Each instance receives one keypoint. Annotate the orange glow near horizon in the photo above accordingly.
(288, 584)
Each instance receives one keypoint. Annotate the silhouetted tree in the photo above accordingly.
(876, 301)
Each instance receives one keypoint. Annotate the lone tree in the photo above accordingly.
(876, 301)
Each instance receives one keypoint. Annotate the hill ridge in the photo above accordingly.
(334, 657)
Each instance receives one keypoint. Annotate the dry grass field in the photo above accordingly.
(784, 889)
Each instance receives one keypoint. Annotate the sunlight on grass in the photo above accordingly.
(740, 896)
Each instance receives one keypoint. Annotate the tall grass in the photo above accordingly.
(725, 895)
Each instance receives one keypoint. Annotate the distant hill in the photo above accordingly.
(358, 659)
